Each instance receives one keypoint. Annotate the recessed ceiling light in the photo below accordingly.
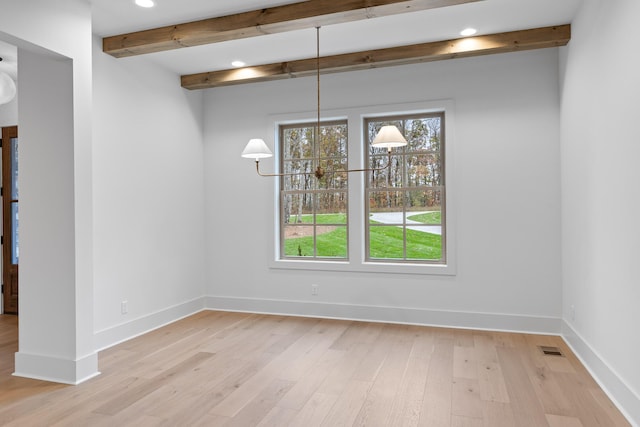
(145, 3)
(468, 32)
(238, 64)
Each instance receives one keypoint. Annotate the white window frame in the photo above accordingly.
(315, 191)
(402, 153)
(356, 261)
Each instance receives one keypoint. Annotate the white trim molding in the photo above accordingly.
(109, 337)
(55, 369)
(402, 315)
(624, 397)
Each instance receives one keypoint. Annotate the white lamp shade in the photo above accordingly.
(256, 149)
(389, 137)
(7, 88)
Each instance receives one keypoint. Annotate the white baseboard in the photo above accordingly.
(47, 368)
(453, 319)
(450, 319)
(125, 331)
(623, 396)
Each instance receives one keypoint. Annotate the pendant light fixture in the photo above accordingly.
(388, 137)
(7, 87)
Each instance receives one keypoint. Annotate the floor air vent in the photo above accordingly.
(550, 351)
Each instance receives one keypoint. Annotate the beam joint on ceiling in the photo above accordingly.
(290, 17)
(537, 38)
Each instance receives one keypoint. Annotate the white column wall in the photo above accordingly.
(54, 116)
(600, 204)
(506, 155)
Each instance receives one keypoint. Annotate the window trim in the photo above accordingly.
(280, 196)
(356, 261)
(442, 189)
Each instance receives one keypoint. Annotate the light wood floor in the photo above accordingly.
(235, 369)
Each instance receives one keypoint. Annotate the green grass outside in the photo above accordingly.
(330, 245)
(339, 218)
(427, 217)
(385, 241)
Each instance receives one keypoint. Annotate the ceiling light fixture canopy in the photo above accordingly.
(388, 137)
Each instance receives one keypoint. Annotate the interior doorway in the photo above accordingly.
(9, 192)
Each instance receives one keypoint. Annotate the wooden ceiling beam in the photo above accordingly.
(536, 38)
(296, 16)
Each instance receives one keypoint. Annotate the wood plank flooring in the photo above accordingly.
(237, 369)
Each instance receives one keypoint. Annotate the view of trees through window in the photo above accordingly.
(314, 211)
(403, 200)
(406, 199)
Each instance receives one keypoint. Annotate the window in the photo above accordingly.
(313, 211)
(393, 219)
(405, 200)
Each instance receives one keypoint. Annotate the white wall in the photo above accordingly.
(600, 204)
(506, 148)
(148, 193)
(56, 321)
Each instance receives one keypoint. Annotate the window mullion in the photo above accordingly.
(356, 159)
(316, 230)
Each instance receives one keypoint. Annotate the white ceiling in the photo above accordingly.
(113, 17)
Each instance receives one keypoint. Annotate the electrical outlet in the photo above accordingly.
(314, 290)
(124, 309)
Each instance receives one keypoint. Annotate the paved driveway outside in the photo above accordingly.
(396, 218)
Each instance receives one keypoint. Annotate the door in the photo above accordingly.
(10, 250)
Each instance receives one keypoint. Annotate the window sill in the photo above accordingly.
(365, 267)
